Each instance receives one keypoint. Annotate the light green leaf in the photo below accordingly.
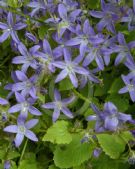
(126, 136)
(73, 154)
(58, 133)
(14, 3)
(112, 145)
(26, 164)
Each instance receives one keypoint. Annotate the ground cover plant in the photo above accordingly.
(67, 84)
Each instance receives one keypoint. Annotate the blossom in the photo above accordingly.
(86, 78)
(7, 164)
(47, 56)
(123, 49)
(37, 6)
(59, 105)
(27, 58)
(31, 37)
(3, 101)
(66, 21)
(97, 152)
(84, 37)
(70, 68)
(109, 118)
(10, 29)
(22, 129)
(131, 66)
(26, 86)
(130, 87)
(130, 18)
(24, 106)
(109, 15)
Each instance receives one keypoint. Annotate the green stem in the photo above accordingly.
(81, 96)
(23, 151)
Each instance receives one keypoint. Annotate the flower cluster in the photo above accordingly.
(73, 49)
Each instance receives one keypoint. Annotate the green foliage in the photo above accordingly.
(112, 145)
(93, 4)
(58, 133)
(65, 85)
(52, 167)
(104, 162)
(73, 154)
(29, 162)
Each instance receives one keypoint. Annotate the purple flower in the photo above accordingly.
(31, 37)
(114, 119)
(3, 101)
(66, 21)
(24, 106)
(26, 86)
(9, 86)
(46, 58)
(84, 37)
(130, 18)
(59, 105)
(131, 66)
(109, 15)
(7, 164)
(27, 58)
(86, 78)
(22, 129)
(97, 152)
(99, 118)
(10, 29)
(123, 49)
(130, 87)
(70, 68)
(109, 118)
(37, 6)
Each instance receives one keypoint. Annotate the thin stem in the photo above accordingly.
(81, 96)
(23, 151)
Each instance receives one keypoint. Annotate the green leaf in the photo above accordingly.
(14, 3)
(42, 31)
(26, 164)
(80, 167)
(93, 4)
(12, 155)
(116, 85)
(126, 136)
(53, 167)
(58, 133)
(65, 85)
(104, 162)
(112, 145)
(13, 165)
(29, 162)
(73, 154)
(2, 153)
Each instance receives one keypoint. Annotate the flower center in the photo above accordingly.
(59, 105)
(69, 68)
(21, 129)
(24, 107)
(130, 87)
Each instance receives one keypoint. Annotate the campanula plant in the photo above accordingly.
(67, 87)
